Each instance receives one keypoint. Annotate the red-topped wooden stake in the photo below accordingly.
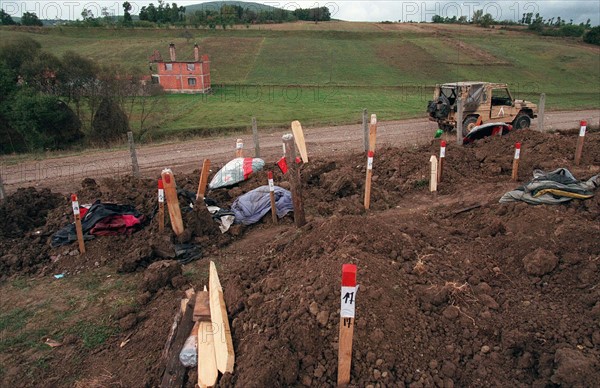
(515, 169)
(367, 201)
(347, 312)
(580, 139)
(441, 161)
(203, 179)
(161, 206)
(272, 195)
(78, 227)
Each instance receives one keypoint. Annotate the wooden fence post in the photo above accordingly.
(255, 137)
(541, 112)
(294, 178)
(2, 192)
(134, 162)
(365, 124)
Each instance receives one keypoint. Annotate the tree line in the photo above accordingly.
(555, 26)
(48, 103)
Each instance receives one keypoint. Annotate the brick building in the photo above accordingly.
(182, 76)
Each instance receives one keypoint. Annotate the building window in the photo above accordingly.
(168, 66)
(155, 80)
(191, 81)
(191, 66)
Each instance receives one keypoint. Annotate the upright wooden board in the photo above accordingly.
(347, 311)
(224, 353)
(172, 201)
(299, 138)
(203, 179)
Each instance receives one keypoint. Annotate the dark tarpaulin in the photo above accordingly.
(106, 219)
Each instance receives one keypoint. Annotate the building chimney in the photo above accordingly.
(172, 52)
(196, 53)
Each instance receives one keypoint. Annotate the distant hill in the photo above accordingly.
(216, 5)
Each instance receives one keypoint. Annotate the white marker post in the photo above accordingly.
(272, 195)
(370, 156)
(347, 313)
(78, 227)
(442, 157)
(239, 148)
(161, 206)
(515, 168)
(580, 140)
(434, 174)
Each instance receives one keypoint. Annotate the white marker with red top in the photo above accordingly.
(440, 171)
(161, 206)
(78, 227)
(347, 314)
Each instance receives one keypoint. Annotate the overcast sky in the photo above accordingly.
(353, 10)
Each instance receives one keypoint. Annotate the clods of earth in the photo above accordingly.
(455, 289)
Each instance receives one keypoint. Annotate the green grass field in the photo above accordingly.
(327, 73)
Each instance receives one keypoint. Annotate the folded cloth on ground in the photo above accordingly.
(252, 206)
(554, 187)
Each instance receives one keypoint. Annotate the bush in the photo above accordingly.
(110, 122)
(572, 30)
(593, 36)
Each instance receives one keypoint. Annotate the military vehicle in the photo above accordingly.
(483, 102)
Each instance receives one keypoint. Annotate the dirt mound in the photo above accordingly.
(456, 289)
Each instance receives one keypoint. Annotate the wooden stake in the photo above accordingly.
(294, 178)
(515, 167)
(580, 139)
(299, 138)
(373, 132)
(134, 163)
(239, 148)
(255, 137)
(78, 227)
(434, 175)
(224, 353)
(367, 202)
(161, 206)
(541, 112)
(347, 313)
(172, 201)
(272, 195)
(365, 125)
(207, 364)
(203, 179)
(442, 157)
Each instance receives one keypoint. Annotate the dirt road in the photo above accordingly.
(63, 174)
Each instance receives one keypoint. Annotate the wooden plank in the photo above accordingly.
(272, 196)
(515, 167)
(134, 162)
(202, 307)
(174, 372)
(203, 179)
(299, 138)
(434, 174)
(224, 353)
(78, 227)
(172, 201)
(367, 201)
(365, 125)
(255, 138)
(161, 206)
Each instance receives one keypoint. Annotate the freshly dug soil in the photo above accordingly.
(455, 289)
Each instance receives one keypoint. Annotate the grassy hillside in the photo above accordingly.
(326, 73)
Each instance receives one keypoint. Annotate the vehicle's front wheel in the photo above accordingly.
(468, 125)
(521, 121)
